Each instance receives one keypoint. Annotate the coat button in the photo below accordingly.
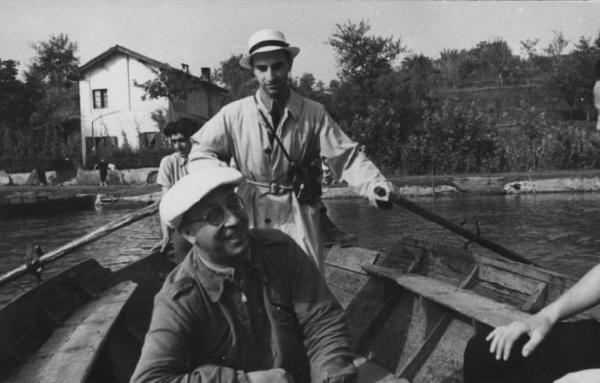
(268, 150)
(268, 221)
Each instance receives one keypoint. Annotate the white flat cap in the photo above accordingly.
(191, 189)
(266, 40)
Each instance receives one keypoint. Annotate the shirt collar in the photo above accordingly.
(292, 106)
(181, 161)
(213, 279)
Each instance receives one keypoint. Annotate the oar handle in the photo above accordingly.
(431, 216)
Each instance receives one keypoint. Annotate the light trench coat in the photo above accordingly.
(238, 135)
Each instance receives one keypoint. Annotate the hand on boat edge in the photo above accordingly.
(503, 338)
(161, 246)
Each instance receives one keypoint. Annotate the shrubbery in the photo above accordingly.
(126, 158)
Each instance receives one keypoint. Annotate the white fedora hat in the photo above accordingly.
(191, 189)
(266, 40)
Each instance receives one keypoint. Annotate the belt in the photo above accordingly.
(273, 187)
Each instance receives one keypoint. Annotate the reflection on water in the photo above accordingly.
(558, 231)
(17, 234)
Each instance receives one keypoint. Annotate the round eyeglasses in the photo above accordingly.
(215, 215)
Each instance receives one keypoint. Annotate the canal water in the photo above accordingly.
(558, 231)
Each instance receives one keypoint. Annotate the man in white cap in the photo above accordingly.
(239, 308)
(276, 138)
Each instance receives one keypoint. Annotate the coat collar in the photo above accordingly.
(213, 280)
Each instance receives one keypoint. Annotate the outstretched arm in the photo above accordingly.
(583, 295)
(162, 245)
(347, 162)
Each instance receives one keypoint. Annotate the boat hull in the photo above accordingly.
(410, 310)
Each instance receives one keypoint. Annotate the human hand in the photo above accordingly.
(583, 376)
(382, 196)
(503, 337)
(275, 375)
(161, 246)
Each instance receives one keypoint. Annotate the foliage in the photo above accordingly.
(55, 61)
(17, 99)
(453, 138)
(127, 158)
(170, 83)
(237, 80)
(361, 57)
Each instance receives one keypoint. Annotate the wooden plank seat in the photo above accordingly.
(455, 298)
(69, 354)
(370, 372)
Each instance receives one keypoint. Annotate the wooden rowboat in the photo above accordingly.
(410, 312)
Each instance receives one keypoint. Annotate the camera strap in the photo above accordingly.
(273, 132)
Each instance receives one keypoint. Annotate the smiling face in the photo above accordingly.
(271, 70)
(224, 242)
(181, 143)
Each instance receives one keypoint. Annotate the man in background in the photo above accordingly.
(102, 167)
(171, 169)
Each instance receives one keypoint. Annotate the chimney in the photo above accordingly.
(185, 68)
(205, 73)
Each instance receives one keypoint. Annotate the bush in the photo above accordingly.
(453, 138)
(127, 158)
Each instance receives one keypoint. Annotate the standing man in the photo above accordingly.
(276, 138)
(245, 305)
(102, 167)
(171, 169)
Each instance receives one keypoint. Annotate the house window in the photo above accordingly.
(100, 97)
(148, 140)
(102, 143)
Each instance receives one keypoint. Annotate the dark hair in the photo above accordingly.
(286, 53)
(597, 70)
(184, 125)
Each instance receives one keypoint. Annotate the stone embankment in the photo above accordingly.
(514, 183)
(511, 183)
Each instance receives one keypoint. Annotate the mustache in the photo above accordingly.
(228, 231)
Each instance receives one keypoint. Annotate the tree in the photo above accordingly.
(55, 61)
(308, 86)
(494, 57)
(237, 80)
(17, 99)
(557, 46)
(360, 57)
(171, 83)
(418, 75)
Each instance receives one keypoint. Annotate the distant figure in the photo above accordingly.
(597, 93)
(102, 166)
(171, 169)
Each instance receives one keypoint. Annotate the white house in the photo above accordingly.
(113, 109)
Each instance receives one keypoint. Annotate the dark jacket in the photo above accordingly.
(192, 336)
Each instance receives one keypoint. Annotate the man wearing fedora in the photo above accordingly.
(276, 138)
(238, 308)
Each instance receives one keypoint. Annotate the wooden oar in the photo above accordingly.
(90, 237)
(431, 216)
